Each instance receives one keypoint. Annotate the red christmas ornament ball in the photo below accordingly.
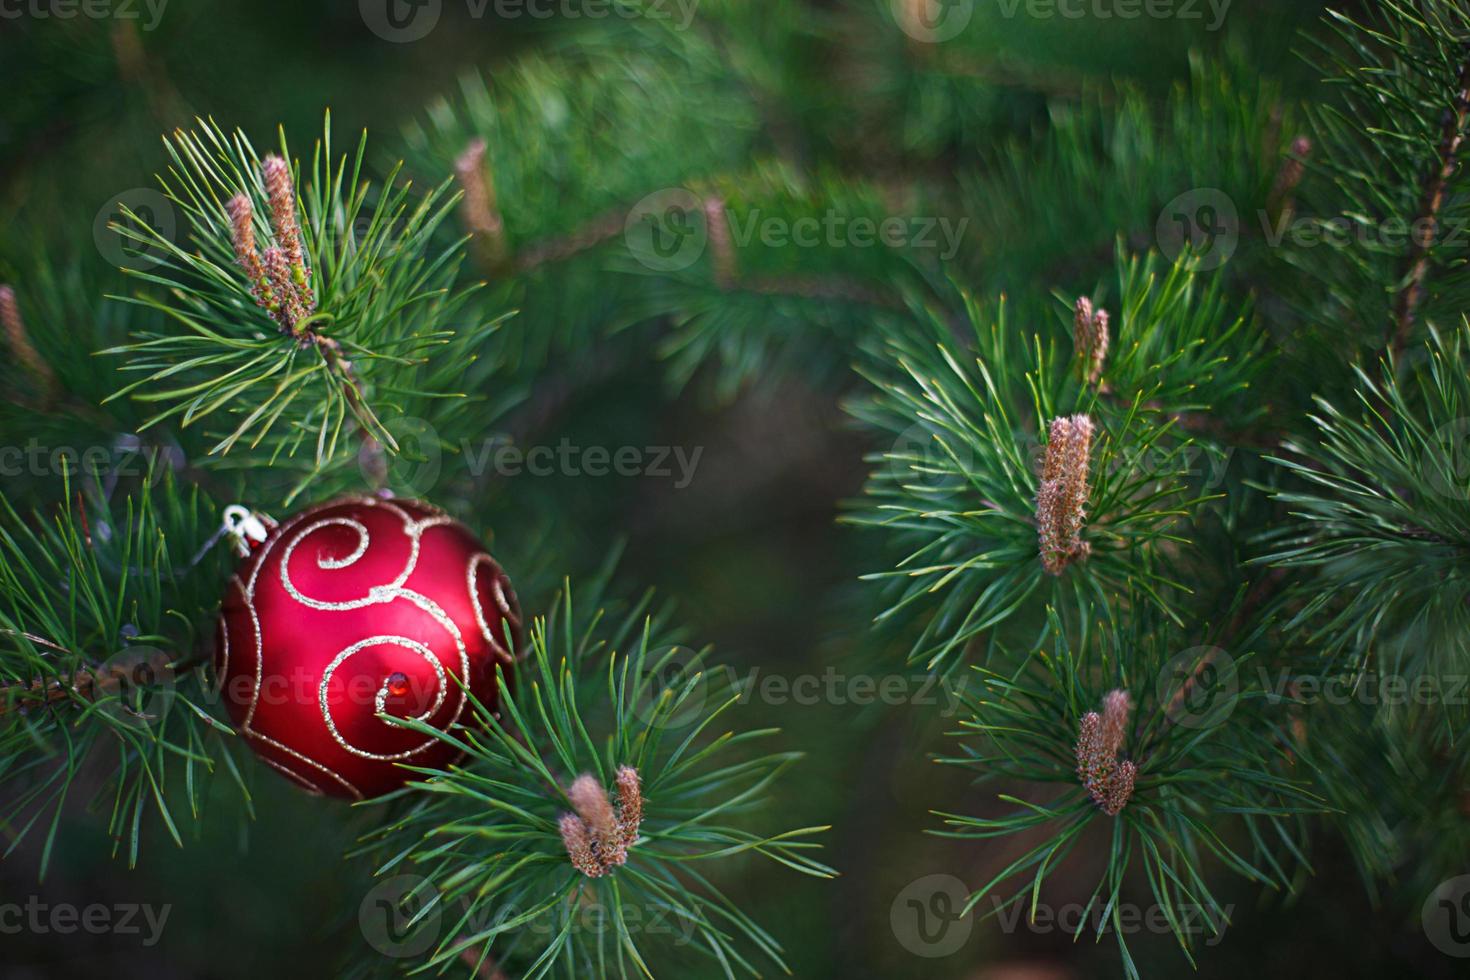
(354, 608)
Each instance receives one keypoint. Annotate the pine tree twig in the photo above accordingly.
(1253, 600)
(90, 684)
(1426, 224)
(1003, 73)
(55, 396)
(371, 452)
(280, 279)
(814, 287)
(726, 266)
(1267, 586)
(553, 250)
(1205, 424)
(1414, 533)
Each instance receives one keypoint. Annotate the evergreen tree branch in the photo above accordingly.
(1426, 224)
(521, 836)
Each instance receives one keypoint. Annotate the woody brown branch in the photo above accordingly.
(373, 456)
(552, 250)
(1426, 225)
(88, 684)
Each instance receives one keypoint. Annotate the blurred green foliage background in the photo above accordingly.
(749, 549)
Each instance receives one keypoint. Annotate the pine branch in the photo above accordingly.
(523, 832)
(1380, 518)
(94, 611)
(1386, 179)
(1426, 224)
(571, 248)
(352, 306)
(88, 685)
(1146, 766)
(961, 493)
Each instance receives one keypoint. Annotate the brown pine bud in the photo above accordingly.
(597, 837)
(1282, 201)
(1117, 707)
(1093, 764)
(590, 801)
(579, 846)
(281, 192)
(1090, 336)
(242, 232)
(630, 805)
(721, 249)
(279, 188)
(1061, 500)
(477, 208)
(284, 304)
(1099, 740)
(1119, 789)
